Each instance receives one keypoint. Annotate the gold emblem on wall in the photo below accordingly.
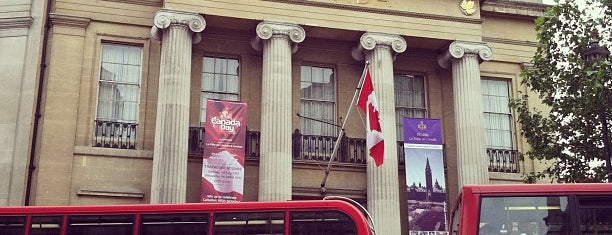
(468, 7)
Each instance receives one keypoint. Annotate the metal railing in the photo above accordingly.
(113, 134)
(320, 148)
(196, 141)
(503, 160)
(304, 147)
(122, 135)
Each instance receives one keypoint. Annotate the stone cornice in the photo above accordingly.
(510, 41)
(69, 21)
(371, 40)
(16, 22)
(267, 29)
(167, 17)
(458, 49)
(379, 11)
(513, 8)
(154, 3)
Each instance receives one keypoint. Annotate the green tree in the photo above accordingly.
(568, 136)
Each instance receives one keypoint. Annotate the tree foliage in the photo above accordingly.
(567, 135)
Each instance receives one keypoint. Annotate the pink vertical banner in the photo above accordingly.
(223, 160)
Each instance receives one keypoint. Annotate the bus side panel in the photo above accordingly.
(469, 213)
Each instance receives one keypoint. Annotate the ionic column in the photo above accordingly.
(464, 58)
(383, 182)
(177, 30)
(278, 41)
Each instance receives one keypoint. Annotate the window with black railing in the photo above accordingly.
(118, 96)
(498, 128)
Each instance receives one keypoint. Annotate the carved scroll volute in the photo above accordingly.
(166, 17)
(371, 40)
(459, 49)
(268, 29)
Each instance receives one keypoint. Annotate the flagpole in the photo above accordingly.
(337, 144)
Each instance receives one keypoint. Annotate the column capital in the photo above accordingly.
(370, 40)
(164, 18)
(268, 29)
(458, 49)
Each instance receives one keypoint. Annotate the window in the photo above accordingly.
(497, 116)
(525, 215)
(220, 80)
(409, 100)
(230, 223)
(321, 222)
(317, 101)
(174, 223)
(12, 225)
(118, 96)
(100, 224)
(595, 214)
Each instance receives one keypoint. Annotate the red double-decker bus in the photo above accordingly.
(289, 217)
(533, 209)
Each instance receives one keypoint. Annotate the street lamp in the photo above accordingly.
(593, 54)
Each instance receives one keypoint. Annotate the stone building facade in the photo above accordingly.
(125, 83)
(21, 39)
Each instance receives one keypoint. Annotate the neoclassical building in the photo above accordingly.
(126, 82)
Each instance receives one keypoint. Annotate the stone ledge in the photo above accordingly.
(508, 177)
(316, 192)
(130, 193)
(16, 22)
(513, 8)
(111, 152)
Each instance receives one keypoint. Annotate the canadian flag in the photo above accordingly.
(368, 103)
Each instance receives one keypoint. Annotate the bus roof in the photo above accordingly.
(186, 207)
(538, 188)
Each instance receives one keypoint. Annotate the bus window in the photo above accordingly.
(12, 225)
(321, 222)
(595, 214)
(46, 225)
(184, 223)
(524, 215)
(100, 224)
(232, 223)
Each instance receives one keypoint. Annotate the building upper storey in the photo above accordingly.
(422, 21)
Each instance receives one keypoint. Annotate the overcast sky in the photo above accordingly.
(548, 1)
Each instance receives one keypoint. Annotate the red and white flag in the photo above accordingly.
(368, 103)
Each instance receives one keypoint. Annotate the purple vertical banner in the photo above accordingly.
(425, 181)
(223, 159)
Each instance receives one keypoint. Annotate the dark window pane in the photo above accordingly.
(596, 215)
(46, 225)
(321, 222)
(12, 225)
(249, 223)
(100, 225)
(184, 224)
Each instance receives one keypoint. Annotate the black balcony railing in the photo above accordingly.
(113, 134)
(320, 148)
(196, 139)
(304, 147)
(503, 160)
